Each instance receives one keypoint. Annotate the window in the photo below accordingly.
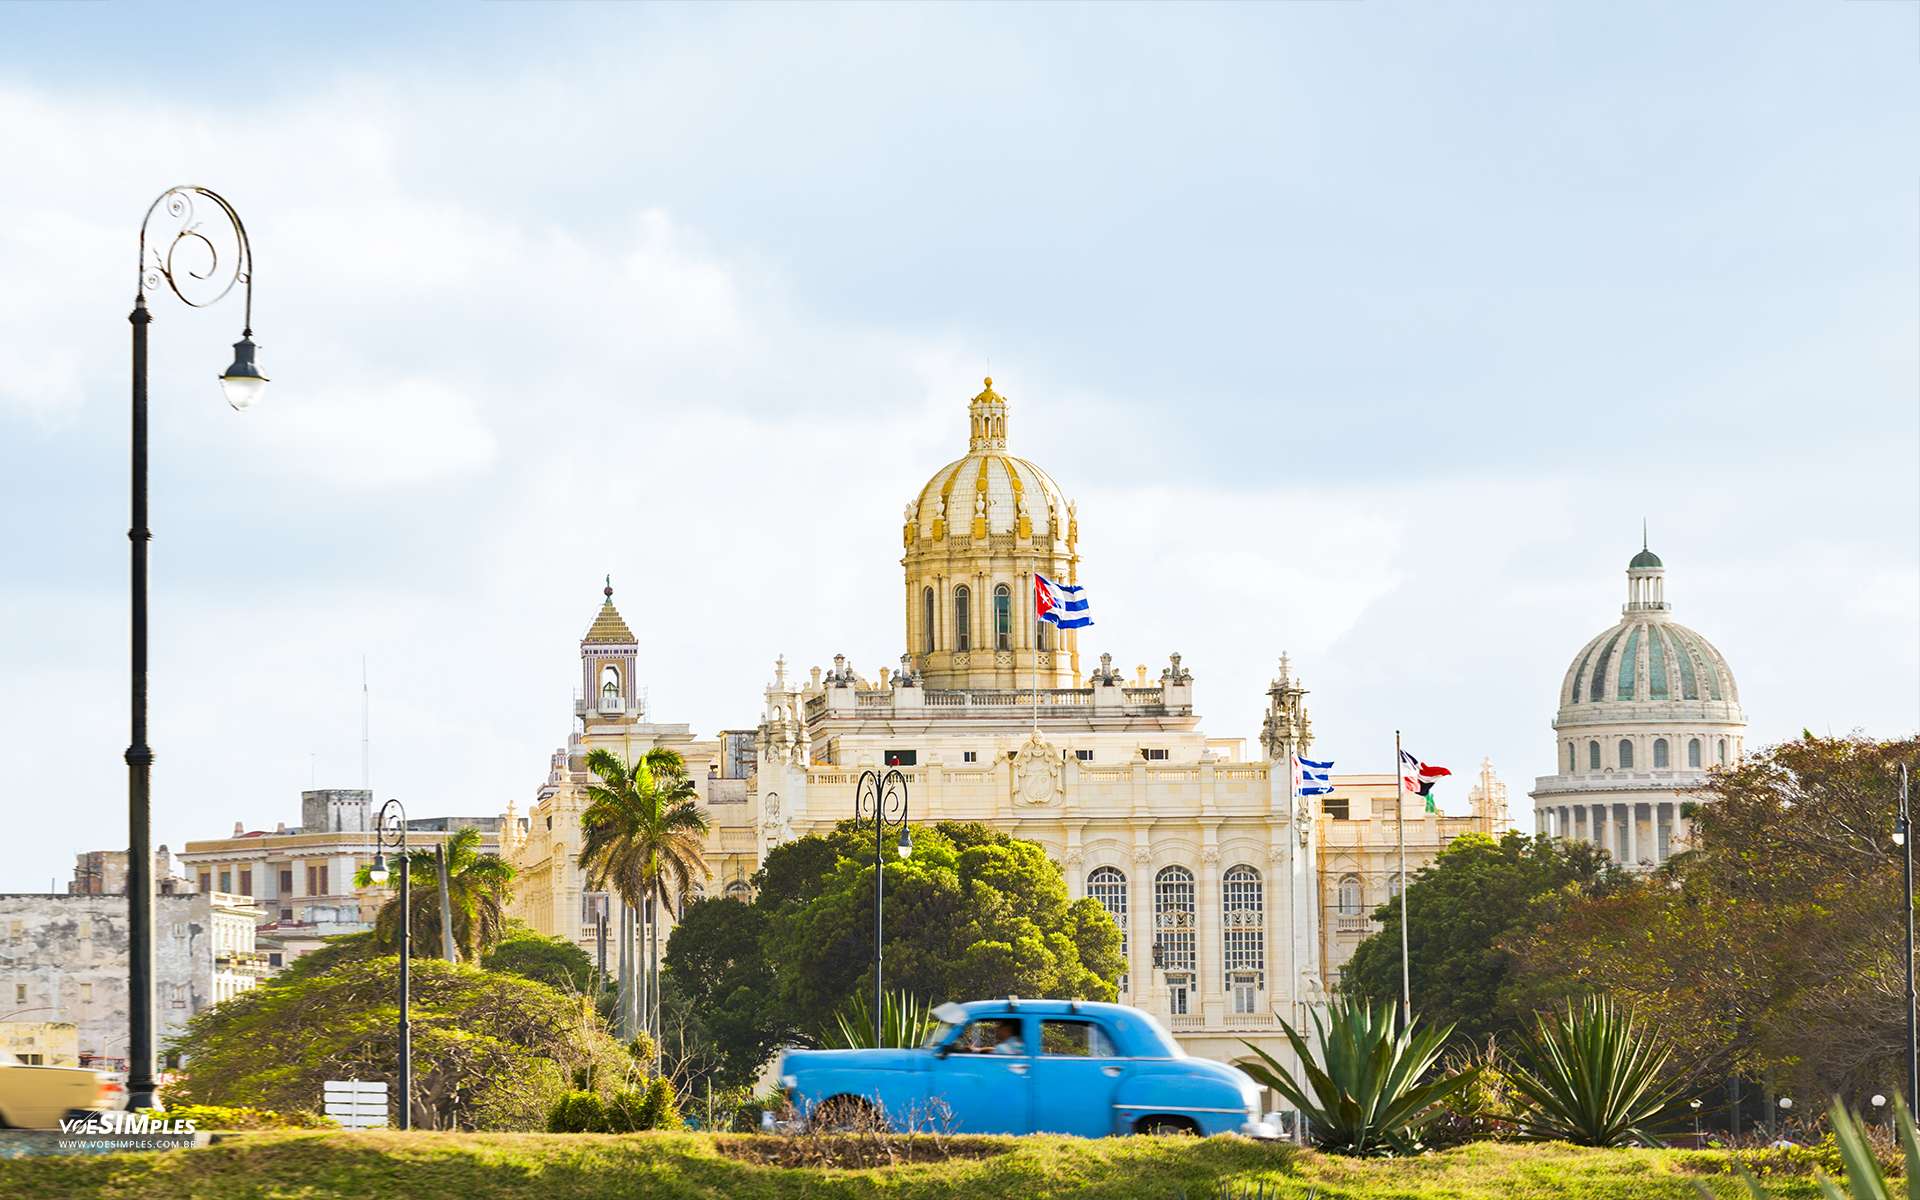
(1154, 754)
(1042, 635)
(986, 1036)
(206, 881)
(86, 992)
(317, 880)
(1173, 912)
(1722, 752)
(1245, 989)
(246, 882)
(226, 881)
(1393, 886)
(1570, 762)
(276, 959)
(1083, 755)
(1593, 756)
(739, 890)
(902, 758)
(286, 881)
(1177, 986)
(31, 1060)
(962, 625)
(1626, 754)
(1074, 1039)
(1002, 618)
(1244, 933)
(1660, 754)
(19, 993)
(286, 914)
(593, 906)
(967, 756)
(1693, 752)
(1350, 896)
(1108, 885)
(1337, 807)
(609, 688)
(926, 620)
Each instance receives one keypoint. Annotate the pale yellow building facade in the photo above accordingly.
(1228, 887)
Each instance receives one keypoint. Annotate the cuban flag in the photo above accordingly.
(1312, 778)
(1420, 777)
(1063, 604)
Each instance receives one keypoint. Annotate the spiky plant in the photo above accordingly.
(1366, 1089)
(904, 1021)
(1865, 1178)
(1594, 1076)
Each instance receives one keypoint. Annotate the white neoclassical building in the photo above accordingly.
(1238, 901)
(1647, 708)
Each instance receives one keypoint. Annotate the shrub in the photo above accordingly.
(1363, 1093)
(216, 1116)
(904, 1021)
(578, 1112)
(660, 1110)
(1594, 1077)
(1867, 1176)
(627, 1111)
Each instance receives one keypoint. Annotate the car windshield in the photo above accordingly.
(941, 1033)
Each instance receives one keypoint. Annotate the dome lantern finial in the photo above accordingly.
(987, 415)
(1646, 579)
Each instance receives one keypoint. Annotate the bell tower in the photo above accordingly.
(609, 662)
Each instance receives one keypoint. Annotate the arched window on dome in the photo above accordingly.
(1626, 754)
(926, 620)
(1570, 760)
(962, 612)
(1693, 753)
(1722, 752)
(1593, 756)
(1003, 617)
(1660, 762)
(1108, 885)
(1349, 901)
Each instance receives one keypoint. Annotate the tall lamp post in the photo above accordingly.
(200, 253)
(883, 800)
(390, 829)
(1903, 838)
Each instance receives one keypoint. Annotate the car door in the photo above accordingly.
(975, 1090)
(1074, 1076)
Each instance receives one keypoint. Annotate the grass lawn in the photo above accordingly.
(672, 1165)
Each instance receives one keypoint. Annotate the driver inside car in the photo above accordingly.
(1006, 1038)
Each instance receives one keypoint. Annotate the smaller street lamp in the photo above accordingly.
(1902, 828)
(883, 799)
(1694, 1104)
(390, 829)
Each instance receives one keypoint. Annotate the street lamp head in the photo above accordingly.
(242, 381)
(1694, 1105)
(1786, 1102)
(378, 873)
(1879, 1101)
(906, 843)
(1900, 833)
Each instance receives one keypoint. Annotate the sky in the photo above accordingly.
(1369, 332)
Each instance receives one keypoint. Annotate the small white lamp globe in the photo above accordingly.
(1879, 1101)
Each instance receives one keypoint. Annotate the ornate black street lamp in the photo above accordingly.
(203, 258)
(390, 829)
(1903, 838)
(883, 799)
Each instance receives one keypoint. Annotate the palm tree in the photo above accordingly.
(478, 888)
(643, 833)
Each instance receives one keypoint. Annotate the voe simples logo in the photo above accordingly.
(125, 1123)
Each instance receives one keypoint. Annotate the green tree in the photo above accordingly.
(716, 963)
(644, 835)
(1459, 908)
(554, 961)
(972, 913)
(1771, 949)
(478, 888)
(490, 1050)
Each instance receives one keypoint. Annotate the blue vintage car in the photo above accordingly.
(1029, 1066)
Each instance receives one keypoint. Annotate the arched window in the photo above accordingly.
(1593, 756)
(926, 620)
(1243, 909)
(609, 688)
(1108, 885)
(1660, 762)
(1042, 635)
(1003, 618)
(739, 890)
(1723, 752)
(1570, 762)
(1693, 752)
(1626, 754)
(1393, 886)
(1173, 917)
(1350, 896)
(962, 628)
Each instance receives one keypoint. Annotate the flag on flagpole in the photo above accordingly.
(1312, 778)
(1061, 604)
(1420, 777)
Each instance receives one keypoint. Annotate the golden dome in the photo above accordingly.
(989, 491)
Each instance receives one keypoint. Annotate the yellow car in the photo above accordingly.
(39, 1097)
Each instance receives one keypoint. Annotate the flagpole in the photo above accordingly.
(1400, 829)
(1293, 900)
(1034, 597)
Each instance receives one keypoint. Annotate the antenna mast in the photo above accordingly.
(366, 771)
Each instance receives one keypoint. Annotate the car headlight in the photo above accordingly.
(789, 1082)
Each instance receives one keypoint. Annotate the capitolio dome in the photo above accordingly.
(1648, 657)
(988, 491)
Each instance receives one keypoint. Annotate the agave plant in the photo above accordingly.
(1865, 1179)
(904, 1021)
(1594, 1076)
(1366, 1088)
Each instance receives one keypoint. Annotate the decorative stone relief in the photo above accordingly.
(1036, 773)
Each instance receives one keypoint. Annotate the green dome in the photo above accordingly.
(1646, 558)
